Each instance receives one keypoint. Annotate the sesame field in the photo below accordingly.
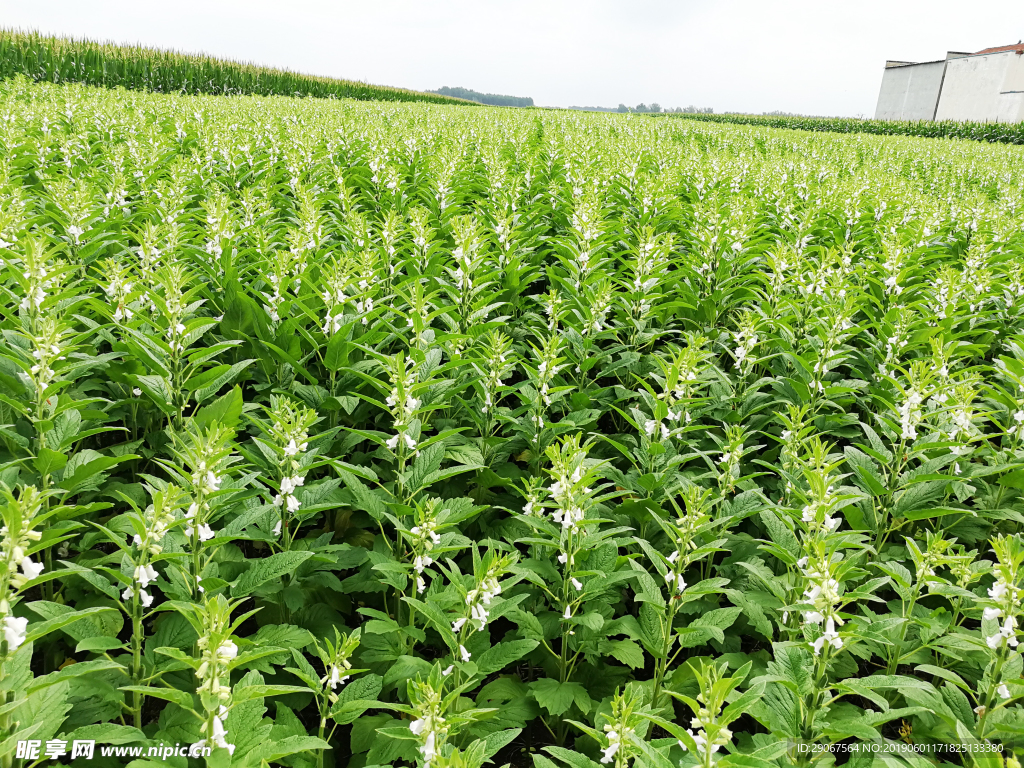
(340, 433)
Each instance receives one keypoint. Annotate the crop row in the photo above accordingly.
(1001, 133)
(135, 67)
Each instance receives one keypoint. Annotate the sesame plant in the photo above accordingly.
(376, 434)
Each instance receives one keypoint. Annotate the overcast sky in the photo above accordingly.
(809, 56)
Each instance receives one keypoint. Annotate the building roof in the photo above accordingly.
(1019, 48)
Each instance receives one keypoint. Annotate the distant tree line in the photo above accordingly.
(655, 107)
(494, 99)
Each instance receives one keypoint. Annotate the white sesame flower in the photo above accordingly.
(30, 569)
(15, 628)
(289, 484)
(227, 650)
(828, 636)
(145, 574)
(336, 677)
(609, 751)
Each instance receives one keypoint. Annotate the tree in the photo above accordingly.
(655, 107)
(623, 108)
(641, 107)
(494, 99)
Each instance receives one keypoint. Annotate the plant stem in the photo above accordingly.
(813, 703)
(661, 663)
(897, 653)
(137, 634)
(991, 693)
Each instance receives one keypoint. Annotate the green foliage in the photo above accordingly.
(401, 434)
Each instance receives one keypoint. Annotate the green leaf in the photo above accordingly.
(262, 571)
(159, 391)
(428, 461)
(210, 386)
(626, 651)
(262, 691)
(84, 472)
(592, 620)
(894, 683)
(180, 698)
(501, 655)
(652, 619)
(89, 622)
(49, 462)
(368, 501)
(292, 745)
(98, 644)
(226, 409)
(1013, 479)
(44, 709)
(356, 697)
(337, 355)
(246, 724)
(528, 624)
(780, 533)
(71, 671)
(107, 733)
(282, 636)
(557, 697)
(498, 740)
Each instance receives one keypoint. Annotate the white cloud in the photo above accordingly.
(743, 55)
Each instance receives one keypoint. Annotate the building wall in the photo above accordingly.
(910, 92)
(989, 87)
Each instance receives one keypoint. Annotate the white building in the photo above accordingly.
(987, 86)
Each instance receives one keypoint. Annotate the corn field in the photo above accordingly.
(362, 434)
(69, 60)
(1000, 133)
